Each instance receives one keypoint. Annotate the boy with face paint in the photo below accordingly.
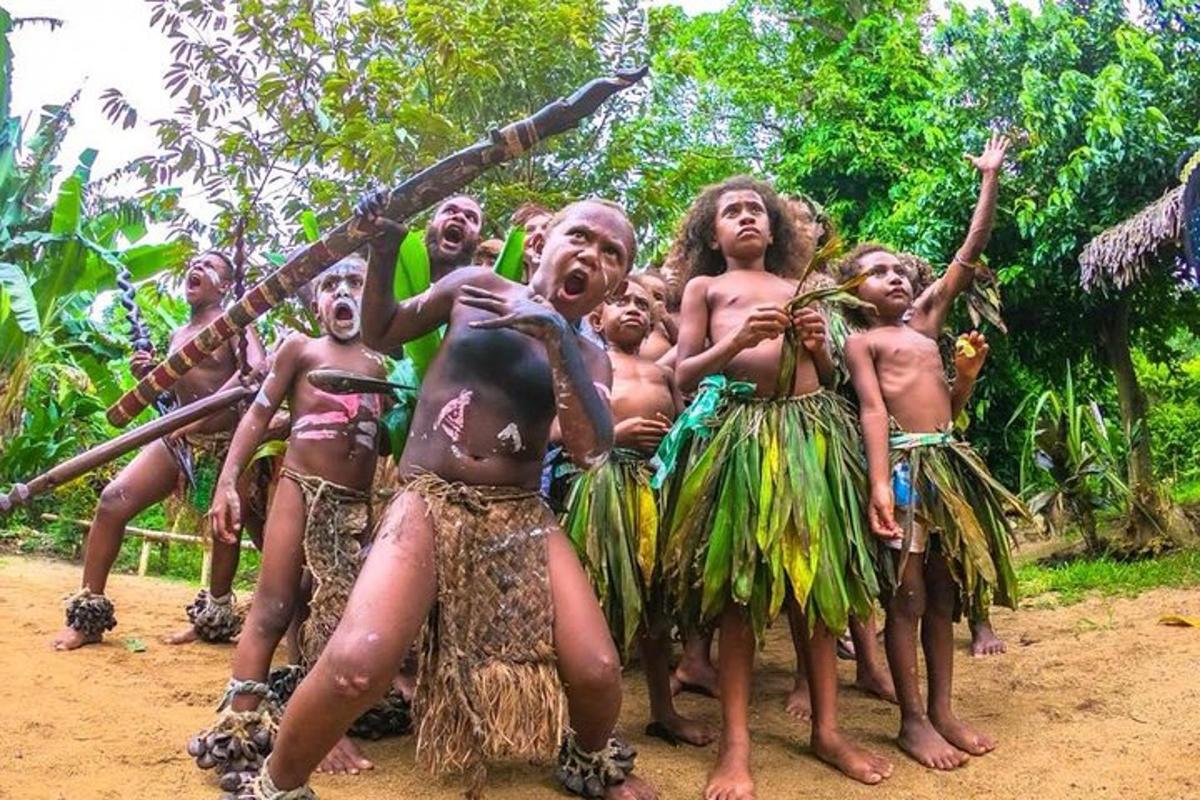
(154, 474)
(320, 512)
(951, 543)
(770, 507)
(452, 235)
(613, 514)
(468, 544)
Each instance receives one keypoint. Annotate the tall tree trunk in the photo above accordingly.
(1152, 515)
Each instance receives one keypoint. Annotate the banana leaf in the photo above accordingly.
(412, 278)
(511, 261)
(841, 295)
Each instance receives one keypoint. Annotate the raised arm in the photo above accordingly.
(935, 302)
(226, 512)
(873, 415)
(693, 361)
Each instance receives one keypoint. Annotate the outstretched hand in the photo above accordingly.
(369, 214)
(992, 157)
(530, 314)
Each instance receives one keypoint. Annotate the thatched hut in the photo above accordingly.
(1113, 263)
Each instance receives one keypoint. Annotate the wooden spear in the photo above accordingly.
(418, 192)
(130, 440)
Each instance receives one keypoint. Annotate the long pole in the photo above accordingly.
(418, 192)
(130, 440)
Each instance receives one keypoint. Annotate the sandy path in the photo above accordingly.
(1095, 700)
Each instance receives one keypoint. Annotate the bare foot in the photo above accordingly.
(985, 642)
(185, 636)
(344, 759)
(798, 703)
(698, 678)
(71, 639)
(921, 740)
(845, 647)
(730, 779)
(876, 681)
(962, 735)
(848, 758)
(631, 789)
(676, 728)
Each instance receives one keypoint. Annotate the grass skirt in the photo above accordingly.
(771, 500)
(957, 498)
(488, 686)
(612, 519)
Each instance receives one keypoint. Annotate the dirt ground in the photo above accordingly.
(1094, 700)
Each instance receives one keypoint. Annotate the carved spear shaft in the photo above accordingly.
(130, 440)
(418, 192)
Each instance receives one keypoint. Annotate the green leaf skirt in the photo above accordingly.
(957, 499)
(771, 502)
(612, 518)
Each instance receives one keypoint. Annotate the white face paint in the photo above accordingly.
(453, 416)
(345, 321)
(511, 435)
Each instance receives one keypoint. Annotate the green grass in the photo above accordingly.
(1187, 493)
(1071, 582)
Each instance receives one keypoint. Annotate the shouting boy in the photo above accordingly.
(468, 544)
(155, 473)
(769, 509)
(952, 540)
(320, 513)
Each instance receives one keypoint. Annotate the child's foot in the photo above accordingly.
(877, 682)
(631, 789)
(798, 703)
(676, 728)
(71, 639)
(730, 779)
(845, 647)
(698, 678)
(985, 642)
(184, 636)
(922, 741)
(344, 759)
(851, 760)
(962, 735)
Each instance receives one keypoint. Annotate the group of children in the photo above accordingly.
(722, 473)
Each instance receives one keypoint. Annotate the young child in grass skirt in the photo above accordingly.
(612, 514)
(467, 546)
(932, 500)
(768, 509)
(320, 516)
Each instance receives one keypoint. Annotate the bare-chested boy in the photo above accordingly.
(468, 536)
(320, 513)
(452, 235)
(155, 473)
(769, 508)
(932, 498)
(613, 513)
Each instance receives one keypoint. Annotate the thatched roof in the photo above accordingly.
(1118, 256)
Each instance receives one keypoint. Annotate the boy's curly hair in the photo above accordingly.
(786, 256)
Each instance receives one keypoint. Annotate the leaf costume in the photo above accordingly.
(952, 494)
(770, 500)
(612, 518)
